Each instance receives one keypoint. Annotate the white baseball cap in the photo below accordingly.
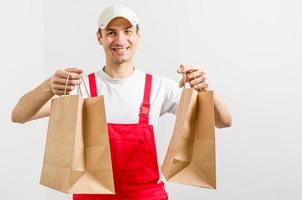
(117, 11)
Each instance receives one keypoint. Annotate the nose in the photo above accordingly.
(120, 39)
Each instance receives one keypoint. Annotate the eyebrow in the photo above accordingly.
(112, 29)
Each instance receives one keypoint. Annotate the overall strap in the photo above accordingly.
(92, 85)
(145, 106)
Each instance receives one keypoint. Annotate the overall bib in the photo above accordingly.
(133, 154)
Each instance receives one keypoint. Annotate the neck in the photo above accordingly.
(119, 70)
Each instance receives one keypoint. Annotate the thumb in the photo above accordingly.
(180, 68)
(182, 82)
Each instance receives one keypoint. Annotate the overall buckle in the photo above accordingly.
(145, 108)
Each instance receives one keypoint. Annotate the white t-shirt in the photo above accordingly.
(123, 97)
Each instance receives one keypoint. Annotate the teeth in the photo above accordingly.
(120, 49)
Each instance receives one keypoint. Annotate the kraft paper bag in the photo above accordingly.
(77, 152)
(190, 157)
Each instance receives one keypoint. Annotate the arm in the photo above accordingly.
(197, 77)
(223, 117)
(36, 103)
(33, 105)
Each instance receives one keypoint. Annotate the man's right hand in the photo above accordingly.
(58, 80)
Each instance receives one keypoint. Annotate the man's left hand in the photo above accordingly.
(195, 75)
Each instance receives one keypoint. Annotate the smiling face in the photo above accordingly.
(119, 40)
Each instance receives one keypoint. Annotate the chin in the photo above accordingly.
(123, 59)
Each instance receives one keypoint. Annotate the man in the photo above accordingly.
(134, 101)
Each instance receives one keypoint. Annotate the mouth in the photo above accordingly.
(120, 49)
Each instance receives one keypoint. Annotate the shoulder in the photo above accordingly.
(92, 76)
(164, 82)
(168, 87)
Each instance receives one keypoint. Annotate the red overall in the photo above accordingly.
(133, 154)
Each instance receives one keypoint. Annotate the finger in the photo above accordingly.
(61, 92)
(189, 68)
(74, 70)
(69, 83)
(72, 76)
(62, 87)
(197, 81)
(64, 74)
(196, 74)
(201, 86)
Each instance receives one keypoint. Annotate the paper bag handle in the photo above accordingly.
(85, 86)
(78, 86)
(185, 79)
(65, 89)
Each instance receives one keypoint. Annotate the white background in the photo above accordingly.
(250, 49)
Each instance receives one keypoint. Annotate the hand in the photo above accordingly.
(195, 75)
(58, 80)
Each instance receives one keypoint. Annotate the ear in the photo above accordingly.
(99, 37)
(139, 33)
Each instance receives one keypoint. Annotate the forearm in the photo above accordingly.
(223, 117)
(32, 102)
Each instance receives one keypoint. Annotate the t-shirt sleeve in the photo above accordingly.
(172, 96)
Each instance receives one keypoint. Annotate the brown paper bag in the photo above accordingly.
(77, 153)
(190, 158)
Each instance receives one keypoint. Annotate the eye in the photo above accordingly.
(110, 33)
(128, 31)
